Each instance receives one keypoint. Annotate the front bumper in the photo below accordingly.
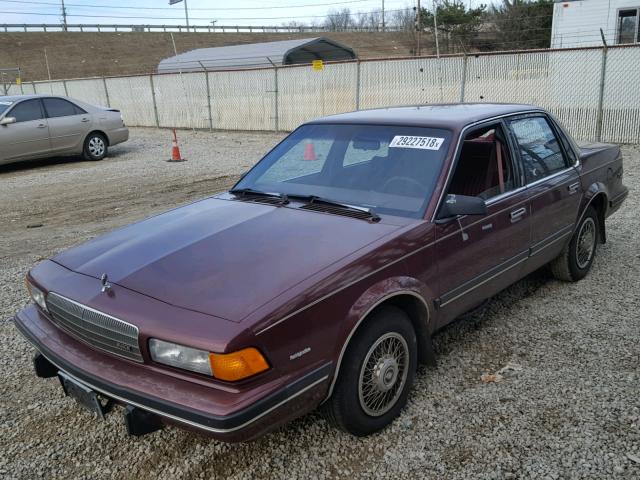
(174, 401)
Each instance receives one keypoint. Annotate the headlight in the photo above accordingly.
(180, 356)
(228, 366)
(37, 295)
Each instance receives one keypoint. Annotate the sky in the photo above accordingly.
(201, 12)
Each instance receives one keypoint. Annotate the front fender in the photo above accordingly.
(392, 290)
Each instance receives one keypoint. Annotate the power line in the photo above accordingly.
(84, 5)
(145, 17)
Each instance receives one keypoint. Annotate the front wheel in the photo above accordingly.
(95, 147)
(377, 374)
(576, 258)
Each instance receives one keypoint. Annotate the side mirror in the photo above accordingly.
(8, 120)
(455, 205)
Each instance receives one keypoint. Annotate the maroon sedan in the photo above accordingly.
(321, 277)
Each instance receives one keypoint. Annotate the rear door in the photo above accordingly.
(553, 184)
(29, 136)
(68, 125)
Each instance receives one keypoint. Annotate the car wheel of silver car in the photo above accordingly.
(576, 258)
(376, 374)
(95, 147)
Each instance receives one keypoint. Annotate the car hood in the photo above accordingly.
(222, 257)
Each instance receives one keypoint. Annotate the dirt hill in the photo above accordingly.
(77, 55)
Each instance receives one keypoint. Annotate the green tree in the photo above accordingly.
(521, 24)
(457, 24)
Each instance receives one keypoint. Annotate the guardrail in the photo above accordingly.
(85, 27)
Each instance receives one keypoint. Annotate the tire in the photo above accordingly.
(350, 407)
(576, 258)
(96, 147)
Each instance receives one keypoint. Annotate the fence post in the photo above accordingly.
(358, 84)
(600, 113)
(463, 83)
(66, 91)
(106, 91)
(155, 105)
(276, 95)
(206, 77)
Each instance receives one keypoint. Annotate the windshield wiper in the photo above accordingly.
(241, 192)
(326, 201)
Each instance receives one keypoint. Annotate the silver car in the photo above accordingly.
(40, 126)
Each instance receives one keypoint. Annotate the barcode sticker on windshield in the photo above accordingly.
(424, 143)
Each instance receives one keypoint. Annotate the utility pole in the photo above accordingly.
(383, 24)
(186, 14)
(419, 29)
(435, 27)
(64, 17)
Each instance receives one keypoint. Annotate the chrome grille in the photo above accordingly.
(95, 328)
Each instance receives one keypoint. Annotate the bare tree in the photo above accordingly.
(367, 20)
(404, 19)
(339, 20)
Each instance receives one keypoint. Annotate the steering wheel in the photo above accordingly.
(399, 180)
(537, 159)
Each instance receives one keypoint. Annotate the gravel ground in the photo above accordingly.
(568, 404)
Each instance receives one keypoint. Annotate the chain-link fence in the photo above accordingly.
(9, 80)
(593, 91)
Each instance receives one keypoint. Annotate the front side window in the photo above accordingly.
(484, 168)
(538, 146)
(4, 106)
(27, 111)
(628, 26)
(389, 169)
(57, 107)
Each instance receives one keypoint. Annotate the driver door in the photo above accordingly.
(479, 255)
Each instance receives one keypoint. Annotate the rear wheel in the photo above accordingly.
(95, 147)
(576, 258)
(377, 374)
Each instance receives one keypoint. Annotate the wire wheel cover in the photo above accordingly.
(586, 243)
(383, 374)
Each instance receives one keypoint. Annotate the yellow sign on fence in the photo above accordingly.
(317, 65)
(18, 81)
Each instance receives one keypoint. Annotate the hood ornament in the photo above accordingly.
(104, 279)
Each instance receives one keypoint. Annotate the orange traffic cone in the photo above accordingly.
(309, 152)
(175, 150)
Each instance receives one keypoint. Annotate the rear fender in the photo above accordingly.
(596, 195)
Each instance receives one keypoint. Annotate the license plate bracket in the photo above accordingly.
(83, 395)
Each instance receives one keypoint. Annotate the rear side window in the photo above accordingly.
(568, 149)
(57, 107)
(27, 111)
(538, 147)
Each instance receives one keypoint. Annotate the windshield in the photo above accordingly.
(4, 105)
(388, 169)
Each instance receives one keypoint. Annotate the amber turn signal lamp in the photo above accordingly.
(237, 365)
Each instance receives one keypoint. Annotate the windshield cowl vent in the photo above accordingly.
(319, 207)
(261, 199)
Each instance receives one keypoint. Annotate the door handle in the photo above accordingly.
(85, 120)
(516, 214)
(42, 125)
(573, 188)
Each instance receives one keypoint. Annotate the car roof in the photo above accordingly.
(17, 98)
(452, 116)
